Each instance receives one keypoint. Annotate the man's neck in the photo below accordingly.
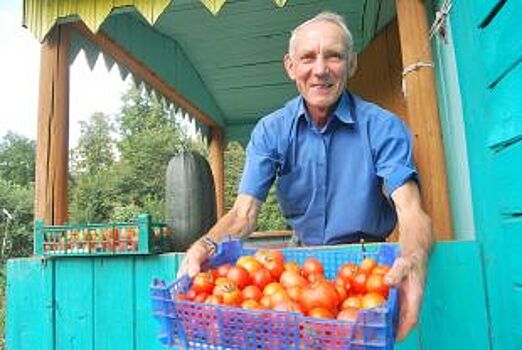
(319, 115)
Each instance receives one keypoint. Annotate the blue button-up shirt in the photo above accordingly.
(336, 181)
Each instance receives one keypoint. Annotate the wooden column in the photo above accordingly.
(423, 114)
(217, 164)
(52, 140)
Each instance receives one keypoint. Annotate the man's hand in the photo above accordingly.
(408, 274)
(196, 255)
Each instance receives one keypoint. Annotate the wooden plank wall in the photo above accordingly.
(104, 304)
(488, 52)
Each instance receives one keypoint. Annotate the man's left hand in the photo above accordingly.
(408, 274)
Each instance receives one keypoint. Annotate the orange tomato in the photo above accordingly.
(367, 265)
(272, 287)
(352, 302)
(348, 314)
(348, 271)
(313, 266)
(239, 276)
(250, 304)
(252, 292)
(320, 312)
(203, 282)
(375, 283)
(372, 300)
(262, 277)
(290, 278)
(249, 263)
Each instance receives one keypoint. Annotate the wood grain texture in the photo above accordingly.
(423, 115)
(52, 138)
(217, 164)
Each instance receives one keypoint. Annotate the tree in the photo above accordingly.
(95, 150)
(17, 159)
(270, 217)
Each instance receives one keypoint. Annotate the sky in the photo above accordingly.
(90, 91)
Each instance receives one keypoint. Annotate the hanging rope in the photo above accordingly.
(439, 24)
(411, 68)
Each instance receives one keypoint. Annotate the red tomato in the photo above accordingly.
(348, 314)
(232, 298)
(320, 312)
(367, 265)
(314, 277)
(252, 292)
(279, 296)
(262, 277)
(290, 278)
(191, 294)
(239, 276)
(319, 294)
(272, 287)
(201, 297)
(275, 267)
(250, 304)
(313, 265)
(203, 282)
(249, 263)
(381, 269)
(295, 292)
(293, 266)
(213, 299)
(352, 302)
(358, 285)
(348, 271)
(221, 288)
(263, 255)
(287, 305)
(182, 297)
(338, 283)
(372, 300)
(223, 270)
(265, 302)
(221, 280)
(375, 283)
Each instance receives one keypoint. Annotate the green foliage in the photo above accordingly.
(17, 159)
(270, 217)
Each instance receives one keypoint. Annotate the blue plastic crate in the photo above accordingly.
(191, 325)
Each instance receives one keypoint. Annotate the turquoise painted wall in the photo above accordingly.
(488, 50)
(103, 303)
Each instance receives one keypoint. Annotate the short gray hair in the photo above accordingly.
(331, 17)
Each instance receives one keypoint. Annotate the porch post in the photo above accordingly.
(423, 114)
(52, 140)
(217, 160)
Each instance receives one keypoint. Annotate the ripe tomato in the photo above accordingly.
(222, 270)
(239, 276)
(182, 297)
(221, 280)
(338, 283)
(252, 292)
(367, 265)
(201, 297)
(272, 287)
(358, 285)
(250, 304)
(191, 294)
(352, 302)
(232, 298)
(314, 277)
(293, 266)
(381, 269)
(294, 292)
(348, 271)
(275, 267)
(319, 294)
(203, 282)
(290, 278)
(249, 263)
(320, 312)
(372, 300)
(265, 302)
(263, 255)
(349, 314)
(288, 305)
(375, 283)
(278, 296)
(221, 288)
(313, 265)
(214, 300)
(262, 277)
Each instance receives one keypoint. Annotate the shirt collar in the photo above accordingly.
(343, 112)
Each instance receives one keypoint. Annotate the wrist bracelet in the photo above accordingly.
(210, 244)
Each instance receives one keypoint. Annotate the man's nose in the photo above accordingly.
(320, 67)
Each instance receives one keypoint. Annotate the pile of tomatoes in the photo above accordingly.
(266, 281)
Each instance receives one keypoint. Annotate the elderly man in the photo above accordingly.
(344, 166)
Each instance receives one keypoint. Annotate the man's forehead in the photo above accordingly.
(312, 33)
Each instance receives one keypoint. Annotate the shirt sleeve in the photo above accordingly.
(394, 154)
(261, 162)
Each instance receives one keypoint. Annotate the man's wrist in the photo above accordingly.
(209, 244)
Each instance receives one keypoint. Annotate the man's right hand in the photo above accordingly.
(196, 255)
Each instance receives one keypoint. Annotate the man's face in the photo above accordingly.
(318, 64)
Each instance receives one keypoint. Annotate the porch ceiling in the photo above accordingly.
(237, 54)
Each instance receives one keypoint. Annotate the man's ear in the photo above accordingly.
(289, 66)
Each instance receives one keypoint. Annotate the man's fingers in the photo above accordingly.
(399, 270)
